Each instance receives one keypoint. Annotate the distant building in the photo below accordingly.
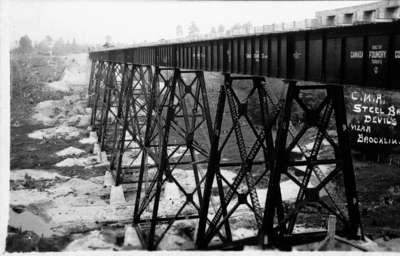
(386, 10)
(382, 11)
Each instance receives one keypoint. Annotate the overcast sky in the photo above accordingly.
(128, 21)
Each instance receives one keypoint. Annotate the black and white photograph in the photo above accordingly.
(200, 126)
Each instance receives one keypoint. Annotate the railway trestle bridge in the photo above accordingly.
(160, 125)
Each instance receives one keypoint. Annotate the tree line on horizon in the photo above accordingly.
(48, 46)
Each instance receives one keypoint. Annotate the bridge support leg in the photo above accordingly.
(317, 174)
(113, 89)
(252, 144)
(355, 227)
(100, 78)
(92, 80)
(177, 140)
(129, 128)
(122, 111)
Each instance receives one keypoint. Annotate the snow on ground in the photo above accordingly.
(82, 161)
(46, 110)
(90, 140)
(76, 75)
(86, 162)
(71, 110)
(28, 196)
(94, 240)
(180, 151)
(296, 149)
(90, 214)
(70, 151)
(74, 204)
(289, 189)
(173, 198)
(134, 158)
(73, 185)
(241, 233)
(58, 132)
(300, 228)
(67, 111)
(308, 146)
(35, 174)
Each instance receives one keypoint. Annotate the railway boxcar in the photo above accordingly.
(364, 55)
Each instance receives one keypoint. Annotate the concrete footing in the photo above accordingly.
(131, 239)
(103, 157)
(96, 148)
(108, 179)
(117, 195)
(88, 111)
(93, 134)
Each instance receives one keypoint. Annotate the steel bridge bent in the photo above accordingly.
(156, 121)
